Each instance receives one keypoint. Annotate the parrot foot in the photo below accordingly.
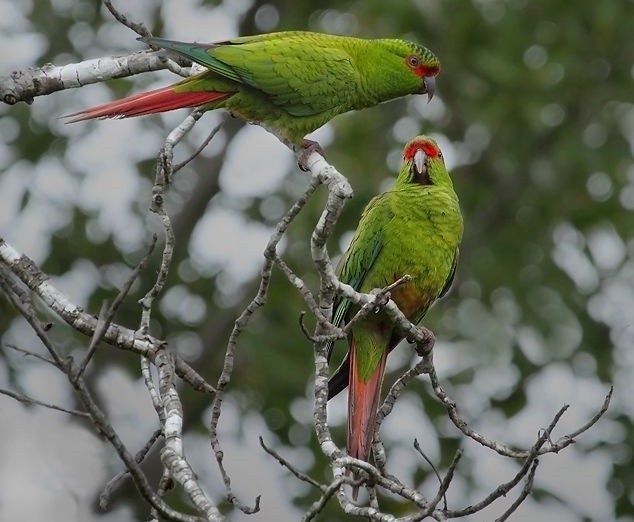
(307, 148)
(382, 299)
(426, 344)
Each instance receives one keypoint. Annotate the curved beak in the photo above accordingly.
(429, 87)
(419, 162)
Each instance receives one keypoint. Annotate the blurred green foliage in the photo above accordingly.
(536, 111)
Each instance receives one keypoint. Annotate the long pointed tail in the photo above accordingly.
(363, 402)
(159, 100)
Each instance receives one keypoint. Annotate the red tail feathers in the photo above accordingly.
(363, 402)
(159, 100)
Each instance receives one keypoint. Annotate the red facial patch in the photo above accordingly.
(428, 147)
(415, 64)
(431, 71)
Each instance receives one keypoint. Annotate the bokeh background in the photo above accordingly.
(534, 112)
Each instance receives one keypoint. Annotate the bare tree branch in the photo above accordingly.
(528, 486)
(138, 28)
(163, 177)
(283, 462)
(116, 335)
(115, 482)
(444, 486)
(107, 314)
(502, 449)
(258, 301)
(22, 303)
(568, 439)
(202, 146)
(303, 289)
(28, 400)
(31, 354)
(172, 454)
(504, 488)
(319, 504)
(25, 85)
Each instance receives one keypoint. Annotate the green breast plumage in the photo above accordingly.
(420, 239)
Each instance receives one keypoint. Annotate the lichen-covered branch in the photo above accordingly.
(503, 449)
(21, 302)
(115, 335)
(25, 85)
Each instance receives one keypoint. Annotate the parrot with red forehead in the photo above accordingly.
(290, 83)
(414, 228)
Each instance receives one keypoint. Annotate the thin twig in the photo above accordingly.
(327, 494)
(28, 400)
(13, 262)
(103, 322)
(397, 388)
(166, 260)
(31, 354)
(146, 372)
(303, 289)
(505, 487)
(528, 486)
(106, 316)
(428, 460)
(22, 303)
(138, 28)
(114, 482)
(303, 328)
(202, 146)
(162, 180)
(502, 449)
(240, 323)
(570, 437)
(441, 494)
(285, 463)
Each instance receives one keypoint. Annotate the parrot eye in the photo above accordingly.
(413, 61)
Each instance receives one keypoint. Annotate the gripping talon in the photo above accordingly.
(307, 148)
(381, 302)
(426, 344)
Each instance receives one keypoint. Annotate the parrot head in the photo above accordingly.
(423, 162)
(424, 64)
(409, 66)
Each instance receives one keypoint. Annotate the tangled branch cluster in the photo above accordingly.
(21, 280)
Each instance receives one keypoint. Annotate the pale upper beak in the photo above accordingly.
(429, 87)
(419, 161)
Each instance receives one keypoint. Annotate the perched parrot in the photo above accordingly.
(414, 228)
(291, 83)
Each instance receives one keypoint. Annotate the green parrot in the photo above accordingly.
(414, 228)
(291, 83)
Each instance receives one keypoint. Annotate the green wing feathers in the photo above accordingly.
(364, 249)
(296, 74)
(199, 53)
